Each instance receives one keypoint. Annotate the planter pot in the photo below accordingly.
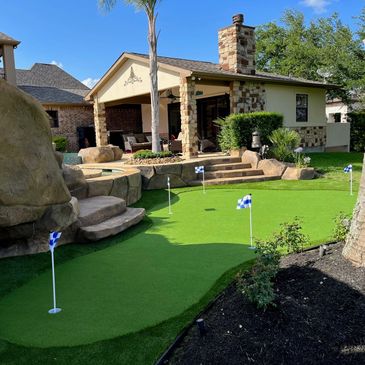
(238, 152)
(295, 173)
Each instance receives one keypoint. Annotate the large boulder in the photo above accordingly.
(272, 167)
(252, 158)
(294, 173)
(30, 179)
(96, 154)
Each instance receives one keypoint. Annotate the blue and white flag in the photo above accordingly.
(347, 169)
(199, 169)
(53, 238)
(245, 202)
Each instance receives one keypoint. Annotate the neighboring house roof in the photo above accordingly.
(208, 69)
(51, 85)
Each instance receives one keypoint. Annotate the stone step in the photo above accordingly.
(235, 180)
(112, 226)
(232, 173)
(100, 208)
(228, 166)
(222, 160)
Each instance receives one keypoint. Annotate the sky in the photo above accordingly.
(85, 40)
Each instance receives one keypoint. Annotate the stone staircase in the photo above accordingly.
(104, 216)
(231, 170)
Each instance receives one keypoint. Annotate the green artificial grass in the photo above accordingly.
(161, 272)
(144, 346)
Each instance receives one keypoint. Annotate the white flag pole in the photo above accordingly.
(251, 239)
(169, 190)
(54, 309)
(204, 180)
(351, 181)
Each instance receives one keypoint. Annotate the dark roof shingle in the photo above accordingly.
(215, 69)
(50, 84)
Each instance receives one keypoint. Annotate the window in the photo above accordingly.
(53, 118)
(302, 108)
(337, 117)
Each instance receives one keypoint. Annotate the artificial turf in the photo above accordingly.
(161, 271)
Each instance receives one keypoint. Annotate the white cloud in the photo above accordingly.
(90, 82)
(59, 64)
(319, 6)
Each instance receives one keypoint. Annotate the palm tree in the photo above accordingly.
(354, 249)
(149, 7)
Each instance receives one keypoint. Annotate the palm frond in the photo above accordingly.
(106, 4)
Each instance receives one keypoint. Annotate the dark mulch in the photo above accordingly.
(319, 319)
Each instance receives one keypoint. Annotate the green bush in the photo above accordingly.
(236, 130)
(342, 226)
(61, 143)
(144, 154)
(291, 236)
(284, 142)
(357, 131)
(257, 284)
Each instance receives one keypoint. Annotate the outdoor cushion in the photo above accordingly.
(140, 138)
(149, 138)
(131, 139)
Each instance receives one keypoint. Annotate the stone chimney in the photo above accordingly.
(237, 47)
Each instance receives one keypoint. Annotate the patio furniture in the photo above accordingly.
(175, 145)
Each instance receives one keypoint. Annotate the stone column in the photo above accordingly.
(234, 96)
(100, 124)
(189, 118)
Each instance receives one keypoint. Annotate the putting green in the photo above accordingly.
(159, 273)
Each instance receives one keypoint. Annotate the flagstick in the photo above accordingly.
(351, 182)
(169, 189)
(54, 309)
(251, 239)
(204, 181)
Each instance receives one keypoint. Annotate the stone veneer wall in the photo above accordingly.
(246, 97)
(189, 118)
(312, 136)
(100, 124)
(237, 47)
(69, 118)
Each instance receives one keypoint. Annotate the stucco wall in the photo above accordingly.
(146, 117)
(120, 86)
(334, 109)
(282, 99)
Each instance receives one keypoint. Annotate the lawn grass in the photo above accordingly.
(156, 242)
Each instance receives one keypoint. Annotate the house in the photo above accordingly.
(61, 95)
(337, 110)
(194, 93)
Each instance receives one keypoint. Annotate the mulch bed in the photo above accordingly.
(319, 318)
(154, 161)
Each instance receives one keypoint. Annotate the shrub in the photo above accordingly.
(342, 226)
(357, 127)
(284, 141)
(291, 236)
(144, 154)
(61, 143)
(236, 130)
(257, 284)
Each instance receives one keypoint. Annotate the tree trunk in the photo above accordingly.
(354, 249)
(155, 98)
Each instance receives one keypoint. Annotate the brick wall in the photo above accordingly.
(69, 118)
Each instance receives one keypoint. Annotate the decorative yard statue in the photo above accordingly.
(354, 249)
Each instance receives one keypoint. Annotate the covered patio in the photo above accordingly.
(190, 101)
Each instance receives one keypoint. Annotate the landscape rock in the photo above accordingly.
(120, 187)
(118, 153)
(99, 186)
(96, 154)
(73, 176)
(294, 173)
(168, 169)
(160, 182)
(59, 158)
(30, 175)
(272, 167)
(252, 158)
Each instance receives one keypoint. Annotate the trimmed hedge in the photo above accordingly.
(236, 129)
(144, 154)
(357, 131)
(61, 143)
